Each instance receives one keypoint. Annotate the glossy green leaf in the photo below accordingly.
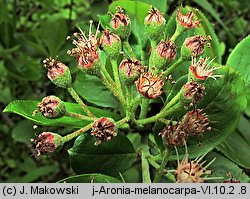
(26, 108)
(110, 158)
(94, 91)
(23, 132)
(90, 178)
(223, 167)
(237, 145)
(239, 60)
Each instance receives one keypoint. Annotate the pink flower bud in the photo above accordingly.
(149, 85)
(103, 130)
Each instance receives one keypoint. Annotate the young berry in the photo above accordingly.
(149, 85)
(58, 73)
(130, 70)
(194, 46)
(164, 52)
(52, 107)
(192, 93)
(120, 23)
(111, 44)
(154, 24)
(47, 143)
(103, 130)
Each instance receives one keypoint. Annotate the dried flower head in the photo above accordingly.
(195, 122)
(52, 107)
(196, 44)
(85, 53)
(149, 85)
(103, 130)
(58, 72)
(47, 143)
(165, 51)
(187, 20)
(130, 69)
(193, 93)
(191, 171)
(174, 135)
(201, 70)
(154, 23)
(120, 23)
(111, 43)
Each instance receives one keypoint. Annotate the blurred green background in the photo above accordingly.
(32, 30)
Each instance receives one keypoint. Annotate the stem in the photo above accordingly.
(164, 162)
(79, 116)
(144, 161)
(166, 173)
(107, 76)
(144, 108)
(122, 122)
(165, 121)
(76, 133)
(74, 94)
(180, 29)
(157, 116)
(117, 78)
(151, 63)
(129, 49)
(114, 90)
(171, 68)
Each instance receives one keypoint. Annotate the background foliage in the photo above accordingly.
(33, 30)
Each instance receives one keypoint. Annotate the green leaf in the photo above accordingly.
(90, 178)
(208, 7)
(224, 102)
(23, 132)
(222, 167)
(93, 90)
(239, 60)
(110, 158)
(161, 5)
(237, 145)
(26, 108)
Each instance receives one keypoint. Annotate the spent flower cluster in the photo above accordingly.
(136, 83)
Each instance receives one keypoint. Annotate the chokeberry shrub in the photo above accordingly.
(157, 99)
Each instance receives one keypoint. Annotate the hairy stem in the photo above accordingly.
(171, 68)
(80, 116)
(164, 162)
(76, 133)
(74, 94)
(129, 49)
(144, 161)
